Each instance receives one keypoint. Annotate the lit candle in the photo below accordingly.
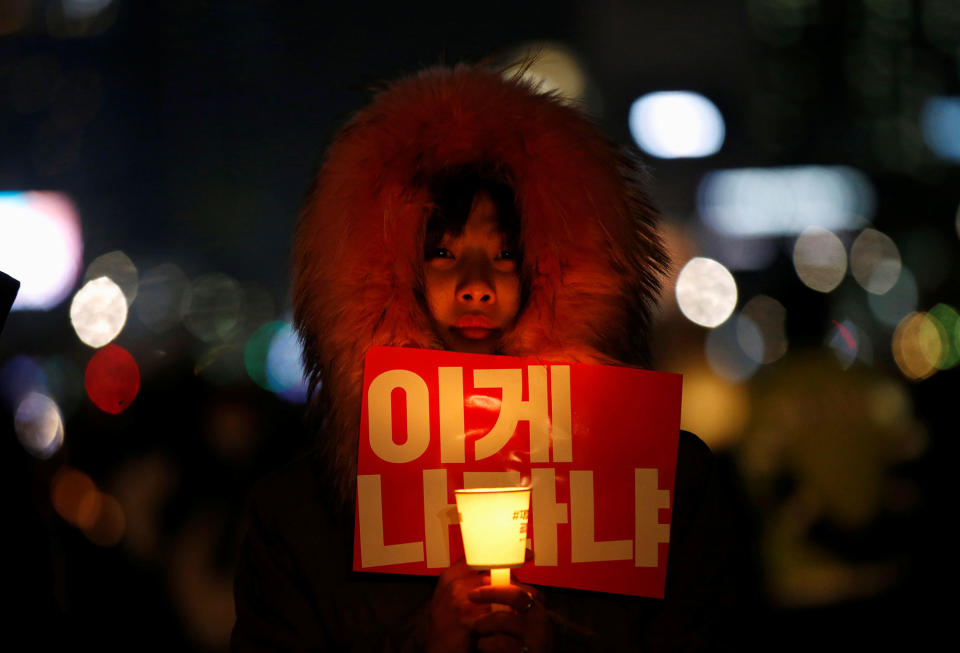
(493, 524)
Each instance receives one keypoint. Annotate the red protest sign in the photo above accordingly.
(598, 445)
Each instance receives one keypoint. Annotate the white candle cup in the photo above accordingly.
(493, 523)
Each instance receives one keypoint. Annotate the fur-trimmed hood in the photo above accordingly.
(591, 252)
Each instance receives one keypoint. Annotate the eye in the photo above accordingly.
(507, 254)
(439, 252)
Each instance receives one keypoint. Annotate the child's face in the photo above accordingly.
(471, 282)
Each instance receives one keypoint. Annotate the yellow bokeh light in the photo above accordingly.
(713, 408)
(706, 292)
(875, 261)
(918, 345)
(819, 259)
(98, 312)
(549, 67)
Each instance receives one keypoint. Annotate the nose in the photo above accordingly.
(475, 286)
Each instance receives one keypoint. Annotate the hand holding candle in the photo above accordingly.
(493, 523)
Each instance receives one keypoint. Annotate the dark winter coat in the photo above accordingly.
(592, 261)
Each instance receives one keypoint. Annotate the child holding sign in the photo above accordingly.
(469, 212)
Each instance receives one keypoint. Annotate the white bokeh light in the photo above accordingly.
(875, 261)
(39, 425)
(706, 292)
(119, 268)
(752, 202)
(98, 312)
(83, 9)
(819, 259)
(41, 246)
(674, 124)
(761, 329)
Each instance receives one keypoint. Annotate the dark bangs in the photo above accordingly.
(453, 194)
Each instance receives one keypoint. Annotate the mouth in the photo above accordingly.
(475, 326)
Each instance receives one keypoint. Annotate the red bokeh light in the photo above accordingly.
(112, 379)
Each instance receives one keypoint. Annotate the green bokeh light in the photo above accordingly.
(255, 353)
(947, 317)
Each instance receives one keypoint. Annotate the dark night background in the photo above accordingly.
(186, 132)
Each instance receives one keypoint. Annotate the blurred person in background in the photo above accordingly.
(466, 211)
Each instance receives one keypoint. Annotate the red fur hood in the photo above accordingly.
(590, 248)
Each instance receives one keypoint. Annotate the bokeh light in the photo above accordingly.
(819, 259)
(212, 307)
(119, 268)
(41, 246)
(761, 329)
(785, 201)
(81, 9)
(112, 379)
(550, 67)
(19, 376)
(674, 124)
(285, 372)
(940, 122)
(80, 18)
(724, 354)
(75, 497)
(714, 408)
(706, 292)
(39, 425)
(917, 346)
(875, 261)
(843, 340)
(256, 350)
(78, 501)
(110, 525)
(949, 320)
(890, 307)
(98, 312)
(160, 297)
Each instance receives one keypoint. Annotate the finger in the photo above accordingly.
(534, 593)
(458, 570)
(518, 598)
